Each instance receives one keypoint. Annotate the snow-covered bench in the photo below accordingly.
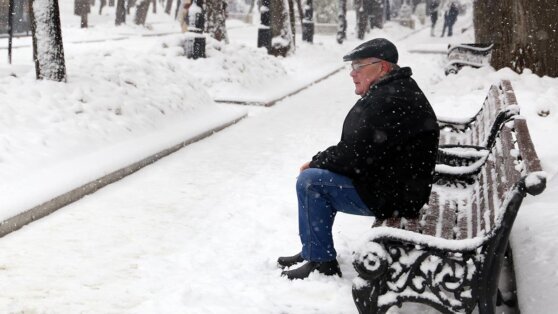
(473, 55)
(450, 257)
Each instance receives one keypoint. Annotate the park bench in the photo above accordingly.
(450, 257)
(473, 55)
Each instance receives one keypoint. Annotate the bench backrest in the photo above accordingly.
(499, 105)
(456, 212)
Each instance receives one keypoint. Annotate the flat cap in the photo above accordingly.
(380, 48)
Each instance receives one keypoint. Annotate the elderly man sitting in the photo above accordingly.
(383, 165)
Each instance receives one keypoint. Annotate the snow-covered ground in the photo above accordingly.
(199, 231)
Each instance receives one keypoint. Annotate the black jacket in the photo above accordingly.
(388, 147)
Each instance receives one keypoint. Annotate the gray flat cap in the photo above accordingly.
(380, 48)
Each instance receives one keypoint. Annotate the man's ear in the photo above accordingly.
(384, 67)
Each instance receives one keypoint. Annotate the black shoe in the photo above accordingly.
(288, 261)
(330, 268)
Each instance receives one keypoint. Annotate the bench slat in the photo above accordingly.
(464, 228)
(526, 146)
(448, 222)
(489, 215)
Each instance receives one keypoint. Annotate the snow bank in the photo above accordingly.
(118, 106)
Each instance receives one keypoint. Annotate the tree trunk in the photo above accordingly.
(120, 12)
(377, 14)
(129, 5)
(177, 9)
(103, 4)
(11, 12)
(252, 3)
(141, 12)
(524, 33)
(342, 27)
(48, 51)
(154, 6)
(361, 18)
(168, 7)
(216, 20)
(282, 36)
(82, 9)
(292, 20)
(300, 11)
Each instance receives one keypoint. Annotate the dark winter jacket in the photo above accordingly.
(388, 147)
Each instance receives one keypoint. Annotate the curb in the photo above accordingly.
(12, 224)
(272, 102)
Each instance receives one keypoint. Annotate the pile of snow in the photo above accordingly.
(110, 96)
(232, 66)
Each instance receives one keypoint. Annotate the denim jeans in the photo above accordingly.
(321, 194)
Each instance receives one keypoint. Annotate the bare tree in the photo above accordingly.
(524, 33)
(11, 11)
(342, 17)
(82, 8)
(103, 4)
(129, 5)
(168, 7)
(141, 12)
(292, 20)
(216, 20)
(120, 12)
(48, 51)
(281, 31)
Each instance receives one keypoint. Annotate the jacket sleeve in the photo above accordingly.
(362, 146)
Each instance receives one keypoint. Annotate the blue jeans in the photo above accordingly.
(321, 194)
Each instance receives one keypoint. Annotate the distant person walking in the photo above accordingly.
(433, 7)
(450, 16)
(183, 14)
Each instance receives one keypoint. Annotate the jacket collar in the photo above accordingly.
(397, 74)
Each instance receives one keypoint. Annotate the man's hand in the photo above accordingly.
(305, 166)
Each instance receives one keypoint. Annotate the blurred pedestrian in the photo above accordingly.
(434, 5)
(450, 16)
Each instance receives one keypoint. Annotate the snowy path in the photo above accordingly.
(198, 232)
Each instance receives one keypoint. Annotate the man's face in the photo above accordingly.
(368, 71)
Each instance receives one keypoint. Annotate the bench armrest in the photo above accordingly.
(455, 125)
(460, 155)
(449, 175)
(535, 180)
(371, 259)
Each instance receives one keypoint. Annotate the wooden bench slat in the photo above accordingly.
(526, 146)
(480, 222)
(447, 224)
(464, 224)
(490, 210)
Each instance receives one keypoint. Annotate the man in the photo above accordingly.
(382, 166)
